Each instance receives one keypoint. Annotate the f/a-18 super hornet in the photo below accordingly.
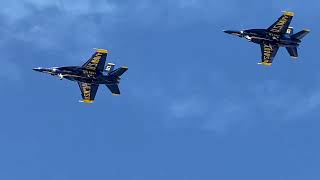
(90, 75)
(279, 34)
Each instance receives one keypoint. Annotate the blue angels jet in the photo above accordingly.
(90, 75)
(279, 34)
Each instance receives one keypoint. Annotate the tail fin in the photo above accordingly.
(290, 30)
(114, 88)
(109, 67)
(119, 71)
(292, 51)
(301, 34)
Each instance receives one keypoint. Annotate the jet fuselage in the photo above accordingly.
(75, 73)
(260, 36)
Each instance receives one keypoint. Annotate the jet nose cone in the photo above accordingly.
(227, 31)
(235, 33)
(39, 69)
(232, 32)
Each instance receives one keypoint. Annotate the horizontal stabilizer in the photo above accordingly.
(300, 34)
(292, 51)
(114, 88)
(119, 71)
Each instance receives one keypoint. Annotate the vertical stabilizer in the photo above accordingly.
(290, 30)
(110, 67)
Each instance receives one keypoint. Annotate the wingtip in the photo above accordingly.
(288, 13)
(99, 50)
(86, 101)
(264, 64)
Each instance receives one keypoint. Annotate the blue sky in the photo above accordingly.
(194, 104)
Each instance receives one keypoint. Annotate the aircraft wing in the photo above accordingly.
(268, 53)
(88, 92)
(282, 24)
(97, 61)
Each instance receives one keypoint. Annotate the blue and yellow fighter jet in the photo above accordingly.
(90, 75)
(279, 34)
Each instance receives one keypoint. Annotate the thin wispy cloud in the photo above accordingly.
(24, 7)
(193, 104)
(267, 101)
(46, 25)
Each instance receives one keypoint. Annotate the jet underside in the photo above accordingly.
(279, 34)
(263, 36)
(90, 75)
(86, 76)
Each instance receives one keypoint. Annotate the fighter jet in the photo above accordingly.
(279, 34)
(90, 75)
